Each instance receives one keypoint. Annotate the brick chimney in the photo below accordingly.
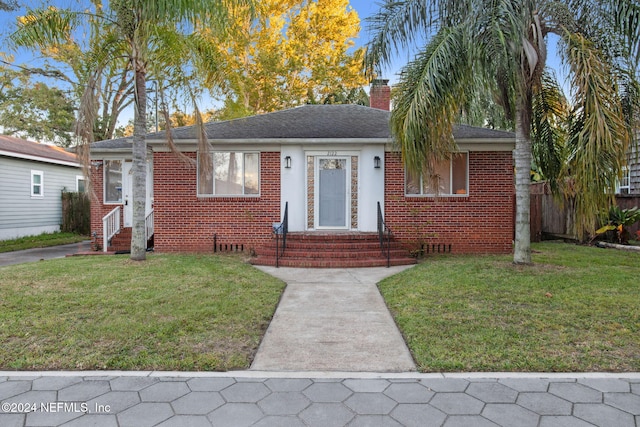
(380, 95)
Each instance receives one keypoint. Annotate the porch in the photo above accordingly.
(117, 238)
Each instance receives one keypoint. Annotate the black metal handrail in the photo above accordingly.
(384, 234)
(281, 229)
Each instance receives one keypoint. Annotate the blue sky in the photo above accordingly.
(364, 8)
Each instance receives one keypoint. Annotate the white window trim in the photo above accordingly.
(626, 175)
(207, 195)
(104, 182)
(41, 184)
(421, 194)
(78, 179)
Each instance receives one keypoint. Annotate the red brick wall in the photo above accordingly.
(185, 222)
(479, 223)
(380, 95)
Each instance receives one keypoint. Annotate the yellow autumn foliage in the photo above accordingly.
(293, 52)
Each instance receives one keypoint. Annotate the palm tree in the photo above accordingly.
(157, 37)
(497, 49)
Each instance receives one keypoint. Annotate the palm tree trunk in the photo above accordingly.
(139, 167)
(522, 248)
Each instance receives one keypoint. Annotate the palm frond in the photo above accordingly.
(87, 112)
(626, 16)
(428, 99)
(40, 28)
(548, 129)
(396, 26)
(184, 14)
(599, 142)
(498, 38)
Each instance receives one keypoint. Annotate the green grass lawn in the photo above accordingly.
(171, 312)
(576, 309)
(40, 241)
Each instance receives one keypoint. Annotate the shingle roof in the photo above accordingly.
(22, 147)
(305, 122)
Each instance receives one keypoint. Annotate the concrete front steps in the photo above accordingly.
(332, 250)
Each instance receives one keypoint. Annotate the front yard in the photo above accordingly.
(576, 309)
(172, 312)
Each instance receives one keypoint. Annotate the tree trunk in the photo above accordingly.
(139, 167)
(522, 248)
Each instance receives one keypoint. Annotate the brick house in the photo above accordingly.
(331, 165)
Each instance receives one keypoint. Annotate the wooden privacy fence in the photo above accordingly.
(552, 219)
(75, 213)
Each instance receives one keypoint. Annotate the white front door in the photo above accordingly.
(127, 193)
(332, 193)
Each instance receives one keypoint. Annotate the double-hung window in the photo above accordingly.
(37, 183)
(113, 181)
(229, 173)
(447, 178)
(81, 184)
(624, 185)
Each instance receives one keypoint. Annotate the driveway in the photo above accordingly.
(39, 254)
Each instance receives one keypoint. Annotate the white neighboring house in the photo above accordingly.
(32, 178)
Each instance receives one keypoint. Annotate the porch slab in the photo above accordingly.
(333, 320)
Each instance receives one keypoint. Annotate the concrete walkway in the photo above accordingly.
(248, 398)
(38, 254)
(333, 320)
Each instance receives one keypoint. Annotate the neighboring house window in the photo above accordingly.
(229, 174)
(113, 181)
(37, 183)
(447, 178)
(80, 184)
(624, 186)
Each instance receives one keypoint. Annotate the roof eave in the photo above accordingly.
(38, 158)
(192, 144)
(467, 144)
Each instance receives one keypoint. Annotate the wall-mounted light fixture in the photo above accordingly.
(287, 162)
(376, 162)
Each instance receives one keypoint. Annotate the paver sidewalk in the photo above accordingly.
(333, 320)
(249, 398)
